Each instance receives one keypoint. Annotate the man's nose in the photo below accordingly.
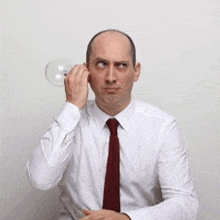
(111, 74)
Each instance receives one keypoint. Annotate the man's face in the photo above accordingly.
(111, 69)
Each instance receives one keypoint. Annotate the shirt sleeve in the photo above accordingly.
(179, 198)
(48, 162)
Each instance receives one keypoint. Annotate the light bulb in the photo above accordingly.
(56, 70)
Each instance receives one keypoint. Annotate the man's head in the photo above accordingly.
(112, 70)
(132, 45)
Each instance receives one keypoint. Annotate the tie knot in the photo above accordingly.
(112, 125)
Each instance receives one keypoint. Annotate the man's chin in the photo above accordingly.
(110, 99)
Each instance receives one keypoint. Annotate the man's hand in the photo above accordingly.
(76, 85)
(103, 214)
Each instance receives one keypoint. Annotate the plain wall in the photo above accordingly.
(178, 44)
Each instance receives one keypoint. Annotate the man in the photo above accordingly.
(154, 174)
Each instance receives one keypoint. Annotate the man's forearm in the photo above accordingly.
(185, 208)
(48, 162)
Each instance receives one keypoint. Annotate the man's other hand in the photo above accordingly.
(103, 214)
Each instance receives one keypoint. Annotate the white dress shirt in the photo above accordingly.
(155, 181)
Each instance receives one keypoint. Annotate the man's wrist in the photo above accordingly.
(68, 117)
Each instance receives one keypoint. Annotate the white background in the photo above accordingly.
(178, 44)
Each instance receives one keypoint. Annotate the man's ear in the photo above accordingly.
(137, 71)
(86, 65)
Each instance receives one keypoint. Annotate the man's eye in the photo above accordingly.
(101, 64)
(122, 65)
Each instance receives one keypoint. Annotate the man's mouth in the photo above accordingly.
(111, 89)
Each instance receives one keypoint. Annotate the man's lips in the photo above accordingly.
(111, 89)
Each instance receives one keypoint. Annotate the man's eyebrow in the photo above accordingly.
(122, 61)
(100, 59)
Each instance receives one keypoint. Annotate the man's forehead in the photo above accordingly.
(110, 38)
(114, 43)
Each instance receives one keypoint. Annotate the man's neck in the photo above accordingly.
(113, 109)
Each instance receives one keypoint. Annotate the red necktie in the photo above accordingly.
(111, 199)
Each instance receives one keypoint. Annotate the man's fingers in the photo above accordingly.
(95, 215)
(76, 85)
(103, 214)
(78, 72)
(87, 212)
(85, 64)
(70, 73)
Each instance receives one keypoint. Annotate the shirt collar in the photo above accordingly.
(125, 117)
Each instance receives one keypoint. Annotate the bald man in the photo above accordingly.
(155, 181)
